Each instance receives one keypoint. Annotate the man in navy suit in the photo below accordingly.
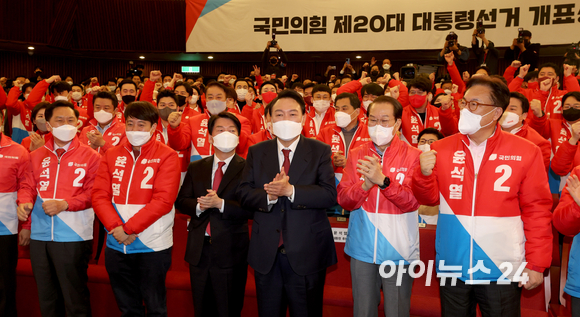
(289, 183)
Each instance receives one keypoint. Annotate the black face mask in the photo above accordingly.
(127, 99)
(438, 105)
(374, 73)
(165, 112)
(571, 114)
(38, 72)
(180, 100)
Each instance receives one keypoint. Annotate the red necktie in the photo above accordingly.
(286, 166)
(219, 174)
(60, 152)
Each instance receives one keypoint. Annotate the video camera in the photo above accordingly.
(273, 43)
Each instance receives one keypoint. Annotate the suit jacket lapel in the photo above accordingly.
(236, 165)
(270, 160)
(299, 160)
(205, 173)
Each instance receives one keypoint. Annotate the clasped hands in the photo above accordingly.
(279, 187)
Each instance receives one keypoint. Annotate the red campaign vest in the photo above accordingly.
(183, 155)
(328, 119)
(412, 123)
(334, 137)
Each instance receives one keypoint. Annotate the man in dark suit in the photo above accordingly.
(217, 244)
(289, 183)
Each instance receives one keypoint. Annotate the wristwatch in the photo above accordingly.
(386, 183)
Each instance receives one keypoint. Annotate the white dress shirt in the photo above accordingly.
(292, 149)
(318, 120)
(477, 152)
(214, 168)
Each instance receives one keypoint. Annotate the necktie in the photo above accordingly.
(286, 166)
(219, 174)
(60, 152)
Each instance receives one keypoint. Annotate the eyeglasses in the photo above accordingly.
(472, 105)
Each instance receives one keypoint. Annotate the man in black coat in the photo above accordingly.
(289, 183)
(217, 244)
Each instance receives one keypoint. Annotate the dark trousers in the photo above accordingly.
(60, 271)
(282, 286)
(217, 291)
(8, 261)
(575, 306)
(137, 278)
(493, 299)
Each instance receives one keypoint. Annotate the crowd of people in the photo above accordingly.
(477, 155)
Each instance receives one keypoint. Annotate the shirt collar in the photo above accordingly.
(56, 147)
(216, 160)
(292, 146)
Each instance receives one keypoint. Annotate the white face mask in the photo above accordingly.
(366, 104)
(381, 135)
(226, 141)
(166, 84)
(138, 138)
(26, 96)
(287, 130)
(241, 93)
(103, 116)
(321, 105)
(424, 147)
(76, 96)
(119, 98)
(193, 99)
(333, 97)
(343, 119)
(301, 94)
(386, 67)
(232, 81)
(215, 106)
(447, 91)
(58, 98)
(65, 132)
(69, 82)
(112, 88)
(509, 119)
(470, 123)
(388, 94)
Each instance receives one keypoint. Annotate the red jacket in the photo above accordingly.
(138, 194)
(22, 110)
(113, 136)
(567, 214)
(69, 178)
(333, 136)
(531, 135)
(389, 214)
(512, 175)
(16, 181)
(26, 142)
(412, 124)
(327, 120)
(556, 130)
(182, 154)
(194, 133)
(355, 87)
(255, 138)
(566, 158)
(552, 100)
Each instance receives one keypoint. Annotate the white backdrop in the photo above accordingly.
(246, 25)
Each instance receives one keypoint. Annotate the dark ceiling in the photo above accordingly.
(127, 29)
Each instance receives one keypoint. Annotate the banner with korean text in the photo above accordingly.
(346, 25)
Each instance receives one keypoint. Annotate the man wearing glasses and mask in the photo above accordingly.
(494, 211)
